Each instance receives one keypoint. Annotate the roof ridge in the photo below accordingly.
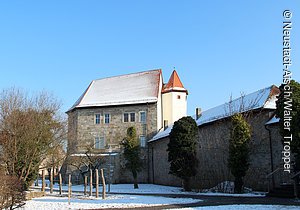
(122, 75)
(235, 99)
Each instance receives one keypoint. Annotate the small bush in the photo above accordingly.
(11, 192)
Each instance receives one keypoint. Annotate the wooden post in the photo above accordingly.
(85, 183)
(43, 181)
(91, 182)
(51, 180)
(97, 183)
(69, 190)
(103, 185)
(60, 184)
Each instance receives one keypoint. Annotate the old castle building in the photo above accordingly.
(99, 119)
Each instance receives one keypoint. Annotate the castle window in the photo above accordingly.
(143, 117)
(97, 118)
(99, 143)
(143, 141)
(126, 117)
(129, 117)
(178, 96)
(106, 118)
(132, 117)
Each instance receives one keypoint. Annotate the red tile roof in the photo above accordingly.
(174, 84)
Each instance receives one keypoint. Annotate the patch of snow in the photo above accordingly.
(146, 188)
(112, 201)
(93, 155)
(226, 188)
(122, 188)
(153, 189)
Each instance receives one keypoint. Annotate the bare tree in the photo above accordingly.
(30, 129)
(87, 160)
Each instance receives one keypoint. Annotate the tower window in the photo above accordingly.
(178, 96)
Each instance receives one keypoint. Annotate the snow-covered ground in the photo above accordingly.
(112, 201)
(118, 200)
(244, 207)
(157, 189)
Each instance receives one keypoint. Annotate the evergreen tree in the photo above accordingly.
(239, 150)
(294, 113)
(182, 150)
(132, 154)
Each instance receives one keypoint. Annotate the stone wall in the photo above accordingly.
(279, 177)
(213, 154)
(159, 165)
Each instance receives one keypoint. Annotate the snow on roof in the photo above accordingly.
(136, 88)
(264, 98)
(273, 120)
(93, 155)
(162, 134)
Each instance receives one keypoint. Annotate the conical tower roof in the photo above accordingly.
(174, 84)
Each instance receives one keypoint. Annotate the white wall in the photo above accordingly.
(159, 106)
(174, 108)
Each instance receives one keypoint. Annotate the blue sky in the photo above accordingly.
(218, 48)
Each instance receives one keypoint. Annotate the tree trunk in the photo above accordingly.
(91, 182)
(135, 181)
(187, 185)
(60, 184)
(85, 184)
(51, 180)
(69, 189)
(238, 185)
(103, 184)
(43, 180)
(97, 182)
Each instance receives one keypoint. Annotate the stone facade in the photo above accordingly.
(83, 130)
(213, 154)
